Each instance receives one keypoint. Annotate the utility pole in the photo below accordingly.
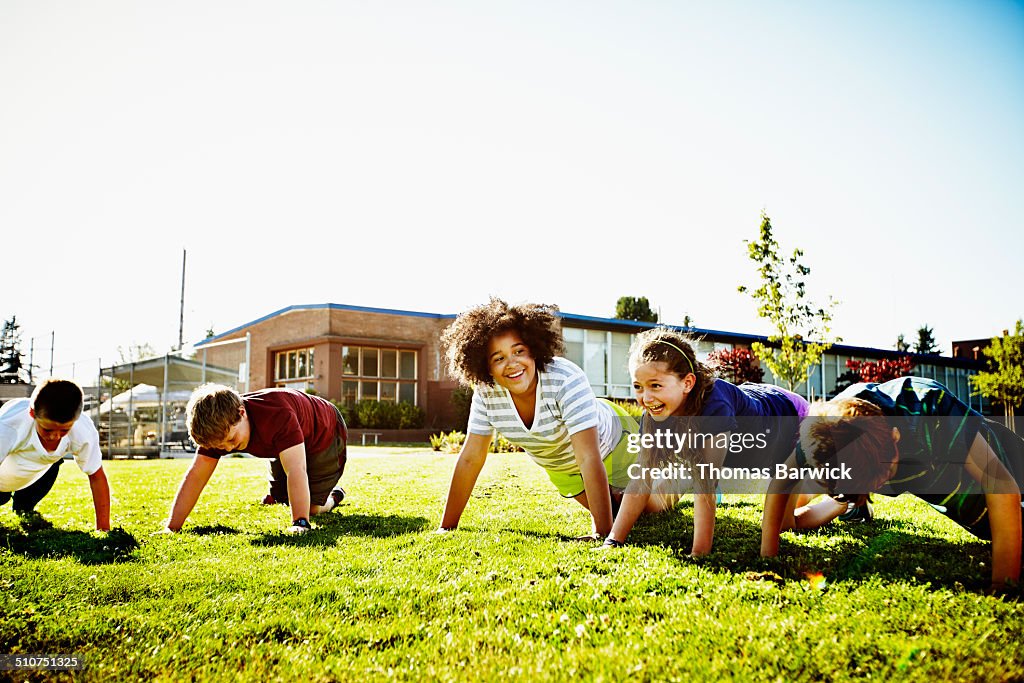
(181, 313)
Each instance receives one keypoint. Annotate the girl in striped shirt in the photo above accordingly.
(540, 402)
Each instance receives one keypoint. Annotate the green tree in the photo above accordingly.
(12, 367)
(635, 308)
(782, 299)
(1003, 382)
(926, 341)
(901, 343)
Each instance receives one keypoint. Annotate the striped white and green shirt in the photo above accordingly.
(565, 405)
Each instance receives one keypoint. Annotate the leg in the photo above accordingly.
(26, 499)
(324, 471)
(278, 483)
(819, 514)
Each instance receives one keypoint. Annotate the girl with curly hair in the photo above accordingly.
(540, 402)
(682, 394)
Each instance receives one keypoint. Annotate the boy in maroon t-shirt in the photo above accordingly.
(303, 435)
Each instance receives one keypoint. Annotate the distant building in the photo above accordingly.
(347, 353)
(10, 391)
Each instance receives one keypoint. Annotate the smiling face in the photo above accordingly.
(661, 392)
(237, 437)
(50, 432)
(511, 364)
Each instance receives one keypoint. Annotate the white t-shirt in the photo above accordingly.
(23, 459)
(565, 405)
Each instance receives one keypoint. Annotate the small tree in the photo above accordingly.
(901, 344)
(782, 299)
(926, 341)
(881, 370)
(635, 308)
(12, 369)
(1003, 382)
(736, 365)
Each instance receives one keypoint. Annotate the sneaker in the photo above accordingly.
(269, 499)
(858, 513)
(338, 495)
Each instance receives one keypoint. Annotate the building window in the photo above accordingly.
(604, 357)
(379, 374)
(294, 368)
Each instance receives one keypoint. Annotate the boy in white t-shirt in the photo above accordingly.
(36, 434)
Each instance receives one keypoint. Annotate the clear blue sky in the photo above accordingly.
(427, 155)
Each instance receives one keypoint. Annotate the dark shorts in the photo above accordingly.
(324, 470)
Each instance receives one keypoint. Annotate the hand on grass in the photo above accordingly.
(592, 537)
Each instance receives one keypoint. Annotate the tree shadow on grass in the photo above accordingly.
(330, 527)
(87, 548)
(887, 549)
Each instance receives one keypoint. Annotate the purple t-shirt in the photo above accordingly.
(727, 400)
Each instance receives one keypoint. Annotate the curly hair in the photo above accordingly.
(675, 350)
(465, 340)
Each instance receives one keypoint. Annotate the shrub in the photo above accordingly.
(736, 365)
(371, 414)
(447, 443)
(461, 399)
(453, 440)
(631, 407)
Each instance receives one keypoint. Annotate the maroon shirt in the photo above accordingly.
(282, 418)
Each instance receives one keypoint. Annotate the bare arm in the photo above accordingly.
(587, 451)
(704, 504)
(471, 460)
(633, 505)
(100, 498)
(192, 485)
(293, 461)
(1002, 497)
(778, 512)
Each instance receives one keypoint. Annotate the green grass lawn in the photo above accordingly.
(373, 593)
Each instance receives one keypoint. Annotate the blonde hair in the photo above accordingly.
(212, 410)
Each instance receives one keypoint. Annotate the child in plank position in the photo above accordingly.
(304, 436)
(684, 402)
(36, 434)
(539, 401)
(909, 435)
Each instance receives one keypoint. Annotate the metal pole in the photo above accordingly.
(163, 407)
(131, 407)
(248, 353)
(181, 314)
